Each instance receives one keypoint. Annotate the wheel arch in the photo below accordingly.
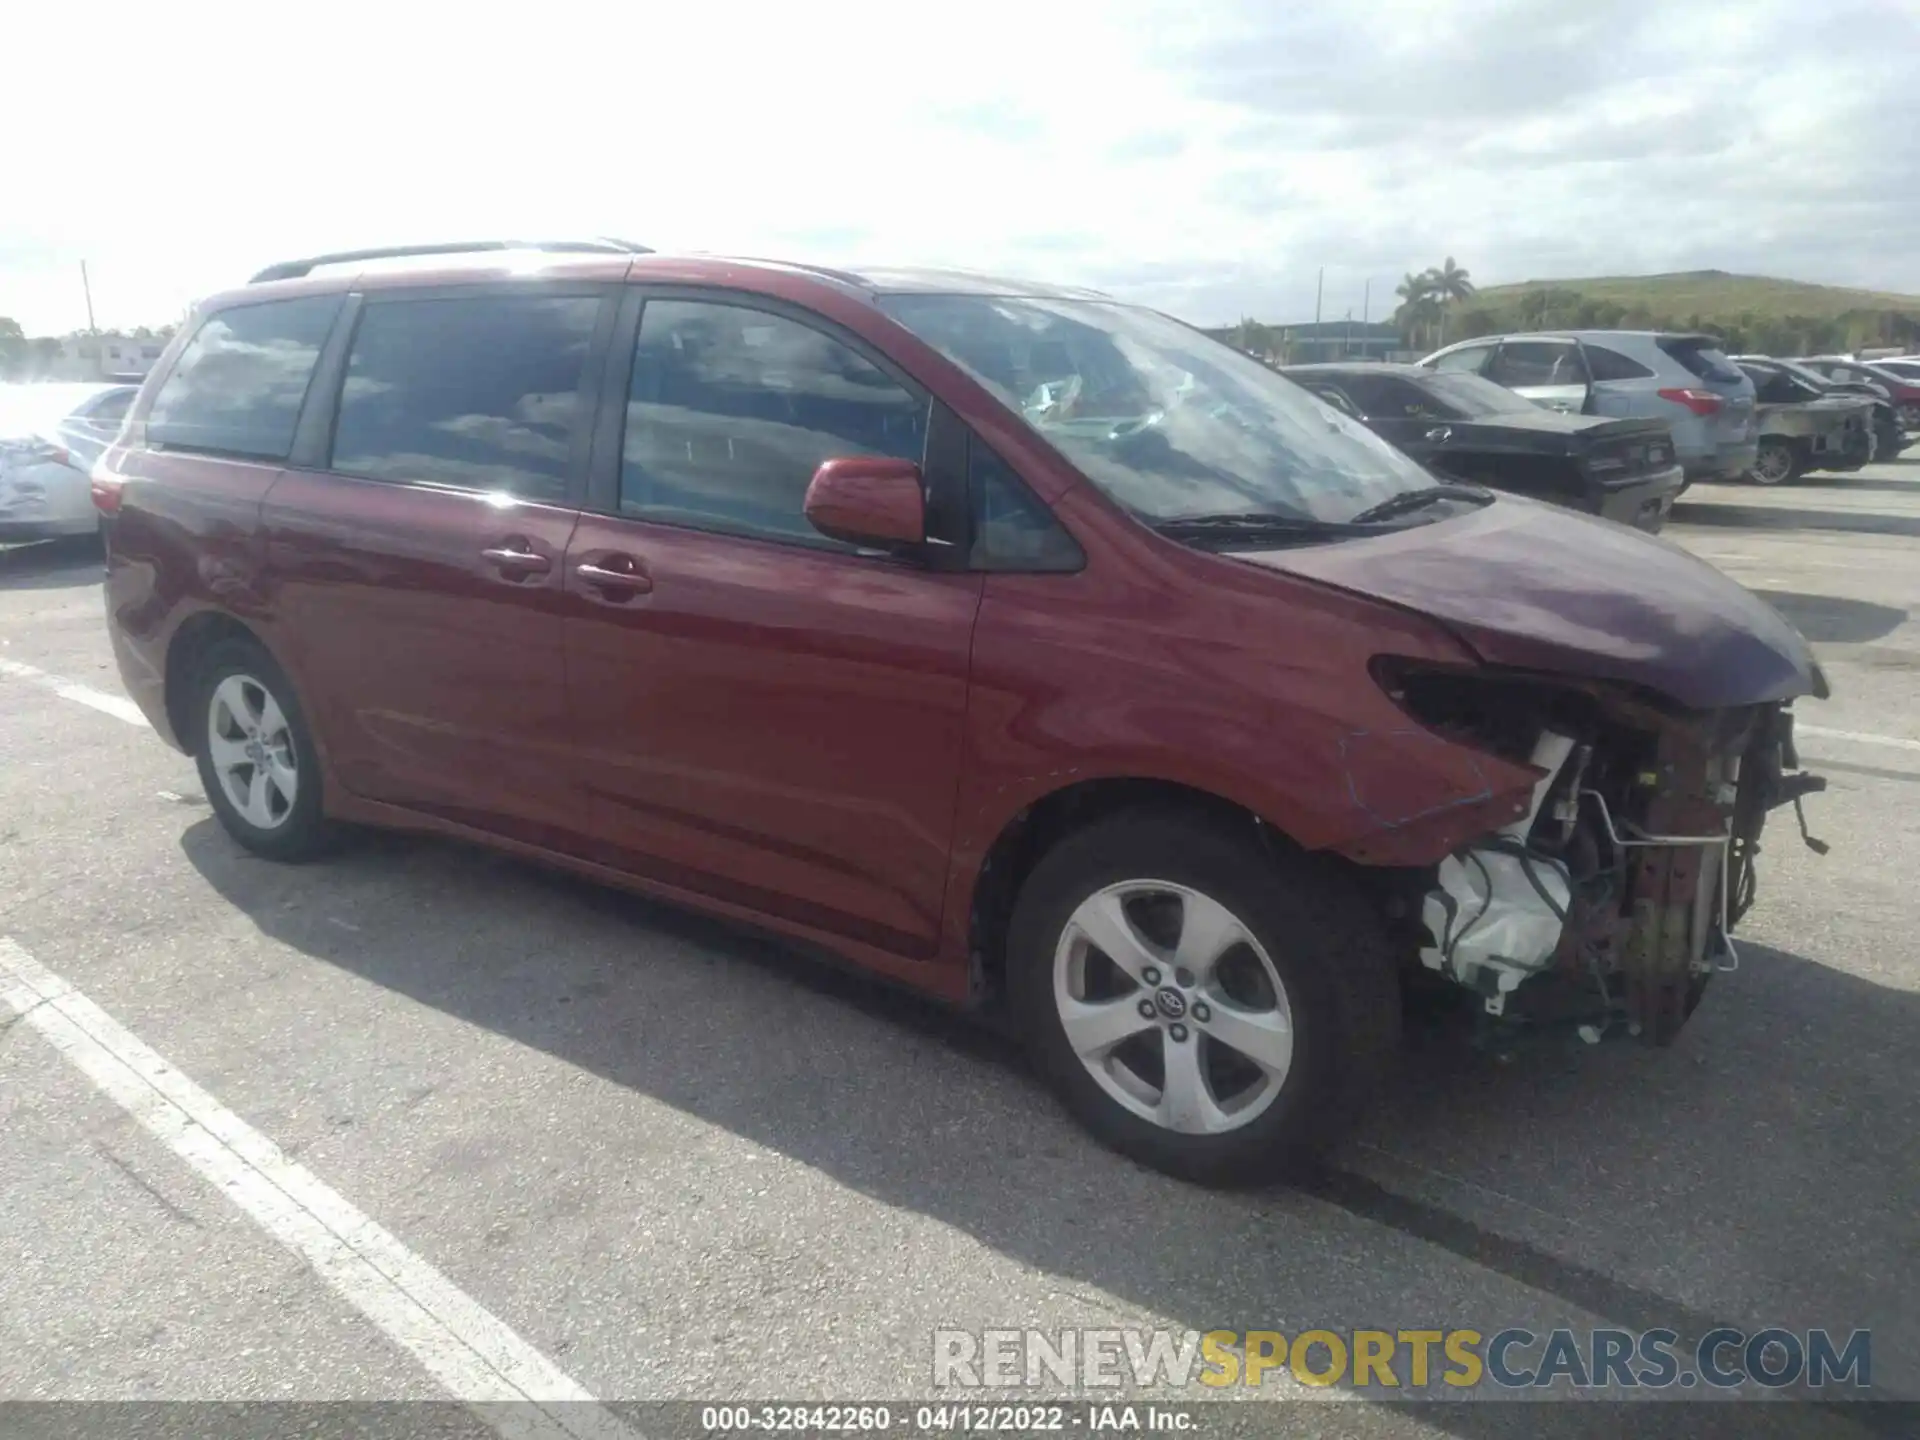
(197, 637)
(1040, 825)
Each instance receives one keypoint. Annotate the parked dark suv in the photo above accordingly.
(1024, 646)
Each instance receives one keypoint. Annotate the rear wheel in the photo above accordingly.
(256, 755)
(1776, 464)
(1202, 1005)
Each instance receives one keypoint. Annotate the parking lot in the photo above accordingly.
(675, 1162)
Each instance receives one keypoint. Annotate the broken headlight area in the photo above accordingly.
(1610, 902)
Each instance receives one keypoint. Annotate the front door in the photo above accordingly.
(765, 716)
(420, 567)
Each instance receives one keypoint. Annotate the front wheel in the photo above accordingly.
(1214, 1008)
(1776, 463)
(256, 755)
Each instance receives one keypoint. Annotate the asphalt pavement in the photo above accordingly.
(667, 1160)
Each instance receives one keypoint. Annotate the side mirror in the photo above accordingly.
(872, 501)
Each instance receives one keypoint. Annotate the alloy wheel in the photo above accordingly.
(1173, 1007)
(252, 752)
(1773, 464)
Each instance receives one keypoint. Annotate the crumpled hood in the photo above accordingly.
(1540, 588)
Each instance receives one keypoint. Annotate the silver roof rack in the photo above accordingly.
(294, 269)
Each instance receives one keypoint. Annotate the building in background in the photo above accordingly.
(102, 356)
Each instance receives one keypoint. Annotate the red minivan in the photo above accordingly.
(1024, 646)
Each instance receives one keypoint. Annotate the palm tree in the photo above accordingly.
(1450, 282)
(1449, 285)
(1418, 307)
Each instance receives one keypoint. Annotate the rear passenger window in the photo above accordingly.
(238, 386)
(1011, 529)
(731, 410)
(1537, 362)
(478, 394)
(1612, 365)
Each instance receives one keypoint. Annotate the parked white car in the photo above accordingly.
(50, 435)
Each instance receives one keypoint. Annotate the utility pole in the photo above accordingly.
(1366, 313)
(87, 288)
(1319, 288)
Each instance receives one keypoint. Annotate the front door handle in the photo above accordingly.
(1440, 434)
(625, 576)
(516, 563)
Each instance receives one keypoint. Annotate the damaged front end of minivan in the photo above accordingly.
(1610, 902)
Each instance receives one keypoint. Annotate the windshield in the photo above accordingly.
(1169, 423)
(1472, 395)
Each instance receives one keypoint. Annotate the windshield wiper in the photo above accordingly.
(1247, 525)
(1408, 501)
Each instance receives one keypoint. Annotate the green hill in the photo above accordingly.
(1711, 292)
(1752, 312)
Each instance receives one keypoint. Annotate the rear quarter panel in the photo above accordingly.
(186, 541)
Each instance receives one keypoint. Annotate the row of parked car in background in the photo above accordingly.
(50, 436)
(1619, 423)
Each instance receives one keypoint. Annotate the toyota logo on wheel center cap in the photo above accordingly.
(1172, 1003)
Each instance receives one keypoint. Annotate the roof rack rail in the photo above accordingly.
(294, 269)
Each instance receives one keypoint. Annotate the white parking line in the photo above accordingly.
(470, 1351)
(117, 706)
(1858, 737)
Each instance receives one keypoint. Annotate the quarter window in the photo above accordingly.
(477, 394)
(1011, 529)
(1612, 365)
(238, 386)
(731, 409)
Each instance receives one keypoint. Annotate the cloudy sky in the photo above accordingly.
(1207, 158)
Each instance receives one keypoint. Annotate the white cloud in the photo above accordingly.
(1205, 158)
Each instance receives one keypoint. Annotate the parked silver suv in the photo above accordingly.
(1684, 380)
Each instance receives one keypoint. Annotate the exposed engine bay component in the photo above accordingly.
(1617, 892)
(1498, 911)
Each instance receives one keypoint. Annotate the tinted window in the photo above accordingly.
(1612, 365)
(1468, 396)
(113, 409)
(731, 410)
(1700, 358)
(1011, 529)
(237, 386)
(1537, 362)
(1387, 397)
(481, 393)
(1776, 387)
(1333, 395)
(1471, 358)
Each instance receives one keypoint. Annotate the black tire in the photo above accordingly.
(304, 831)
(1332, 959)
(1778, 463)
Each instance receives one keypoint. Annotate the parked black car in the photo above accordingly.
(1472, 429)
